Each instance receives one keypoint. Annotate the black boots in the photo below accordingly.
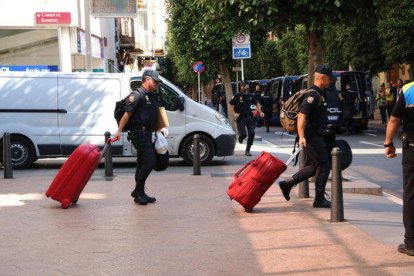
(286, 186)
(140, 196)
(320, 200)
(247, 153)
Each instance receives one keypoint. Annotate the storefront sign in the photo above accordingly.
(55, 18)
(111, 8)
(29, 68)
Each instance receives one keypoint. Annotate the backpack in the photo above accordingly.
(290, 109)
(119, 111)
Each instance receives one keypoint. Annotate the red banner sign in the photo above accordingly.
(53, 18)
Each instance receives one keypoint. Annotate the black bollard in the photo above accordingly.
(7, 162)
(303, 186)
(109, 170)
(337, 209)
(196, 155)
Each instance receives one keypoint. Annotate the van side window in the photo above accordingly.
(167, 97)
(135, 84)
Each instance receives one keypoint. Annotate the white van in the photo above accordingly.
(50, 114)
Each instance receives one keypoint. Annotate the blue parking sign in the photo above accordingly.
(240, 52)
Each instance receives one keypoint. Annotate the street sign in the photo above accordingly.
(242, 52)
(118, 8)
(199, 67)
(241, 39)
(53, 18)
(236, 69)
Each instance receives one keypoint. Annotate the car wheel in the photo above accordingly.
(206, 150)
(22, 152)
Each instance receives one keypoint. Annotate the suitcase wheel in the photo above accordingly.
(65, 203)
(75, 201)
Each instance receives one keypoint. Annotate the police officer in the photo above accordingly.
(241, 108)
(404, 110)
(143, 108)
(267, 104)
(313, 137)
(348, 98)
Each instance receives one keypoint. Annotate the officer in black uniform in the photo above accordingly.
(348, 99)
(143, 108)
(313, 137)
(404, 110)
(267, 104)
(241, 108)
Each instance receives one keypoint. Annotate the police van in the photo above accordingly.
(364, 106)
(50, 114)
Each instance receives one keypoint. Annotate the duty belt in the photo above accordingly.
(143, 128)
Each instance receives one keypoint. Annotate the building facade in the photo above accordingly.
(50, 35)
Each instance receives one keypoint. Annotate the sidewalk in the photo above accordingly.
(193, 229)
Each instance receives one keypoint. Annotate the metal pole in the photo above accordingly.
(88, 42)
(337, 209)
(199, 87)
(109, 169)
(303, 186)
(237, 82)
(242, 70)
(196, 155)
(7, 162)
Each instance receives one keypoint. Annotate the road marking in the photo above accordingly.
(370, 134)
(372, 144)
(393, 198)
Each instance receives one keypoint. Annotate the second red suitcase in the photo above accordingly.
(255, 178)
(74, 174)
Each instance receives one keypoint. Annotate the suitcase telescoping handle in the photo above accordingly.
(293, 156)
(108, 142)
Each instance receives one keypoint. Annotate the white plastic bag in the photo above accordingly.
(161, 144)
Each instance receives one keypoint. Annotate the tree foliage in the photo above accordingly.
(395, 28)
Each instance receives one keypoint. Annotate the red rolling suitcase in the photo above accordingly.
(255, 178)
(69, 182)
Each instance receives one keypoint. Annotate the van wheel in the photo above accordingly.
(206, 150)
(22, 152)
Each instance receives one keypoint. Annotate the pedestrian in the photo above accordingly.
(267, 105)
(404, 111)
(242, 112)
(349, 100)
(314, 137)
(381, 103)
(257, 94)
(142, 108)
(389, 98)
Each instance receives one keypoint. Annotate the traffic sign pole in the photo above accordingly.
(199, 87)
(242, 70)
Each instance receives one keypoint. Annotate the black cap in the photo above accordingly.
(152, 74)
(324, 69)
(243, 83)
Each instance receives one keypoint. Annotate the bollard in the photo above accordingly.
(109, 170)
(7, 162)
(337, 209)
(303, 186)
(196, 155)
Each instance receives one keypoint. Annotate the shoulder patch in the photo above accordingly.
(310, 99)
(131, 98)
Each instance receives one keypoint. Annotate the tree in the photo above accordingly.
(279, 15)
(396, 30)
(197, 33)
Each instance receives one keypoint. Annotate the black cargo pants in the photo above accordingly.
(317, 164)
(408, 194)
(142, 140)
(246, 122)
